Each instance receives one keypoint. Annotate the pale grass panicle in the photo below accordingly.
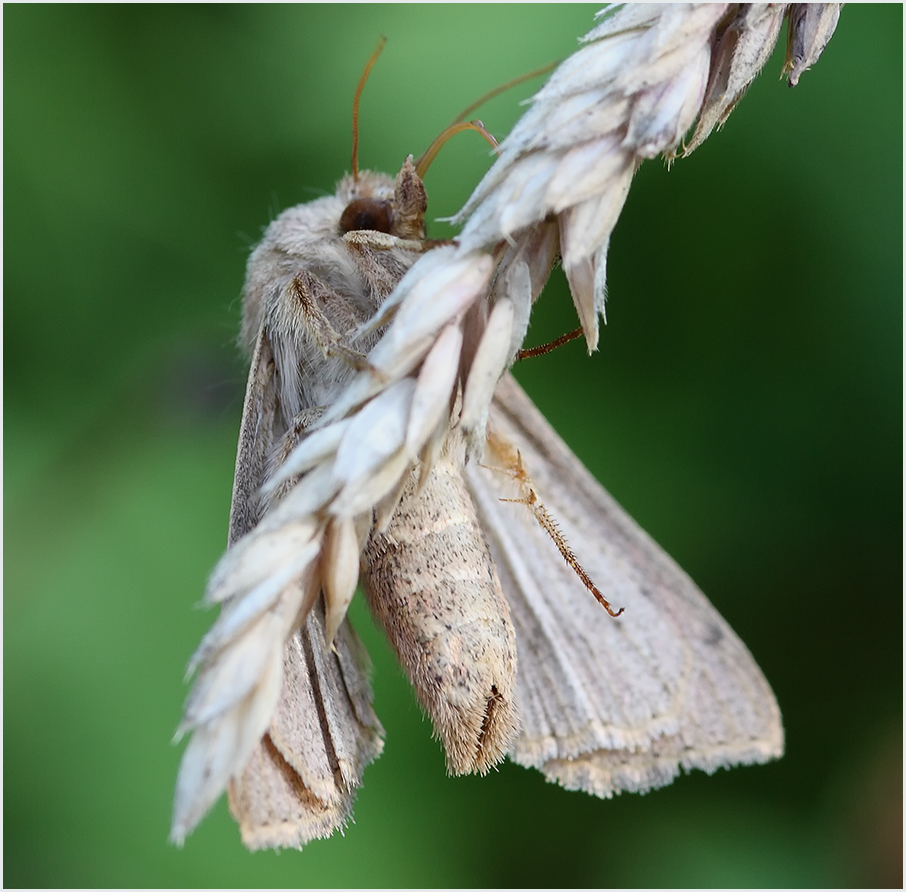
(439, 329)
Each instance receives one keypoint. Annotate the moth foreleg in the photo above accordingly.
(308, 296)
(373, 240)
(382, 259)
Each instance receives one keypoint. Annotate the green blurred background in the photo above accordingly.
(745, 407)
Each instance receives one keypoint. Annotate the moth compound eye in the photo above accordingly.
(367, 213)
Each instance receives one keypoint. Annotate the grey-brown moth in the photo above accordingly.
(383, 442)
(506, 648)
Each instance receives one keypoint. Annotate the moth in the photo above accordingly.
(463, 566)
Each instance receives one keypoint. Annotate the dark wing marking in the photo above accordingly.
(299, 784)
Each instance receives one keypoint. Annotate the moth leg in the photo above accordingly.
(528, 496)
(383, 241)
(309, 294)
(372, 240)
(381, 258)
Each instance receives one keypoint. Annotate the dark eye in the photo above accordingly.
(366, 213)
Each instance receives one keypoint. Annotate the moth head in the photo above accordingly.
(376, 202)
(370, 205)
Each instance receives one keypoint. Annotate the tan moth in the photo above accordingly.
(382, 438)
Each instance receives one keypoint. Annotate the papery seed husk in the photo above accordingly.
(431, 398)
(340, 571)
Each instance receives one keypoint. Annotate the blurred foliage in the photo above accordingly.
(745, 406)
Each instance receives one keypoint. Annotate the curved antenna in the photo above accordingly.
(459, 124)
(355, 106)
(497, 90)
(424, 162)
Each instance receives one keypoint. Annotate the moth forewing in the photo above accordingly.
(610, 705)
(255, 440)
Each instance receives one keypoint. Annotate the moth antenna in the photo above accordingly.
(549, 348)
(423, 163)
(503, 87)
(459, 123)
(518, 472)
(355, 106)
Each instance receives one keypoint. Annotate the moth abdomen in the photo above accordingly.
(432, 586)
